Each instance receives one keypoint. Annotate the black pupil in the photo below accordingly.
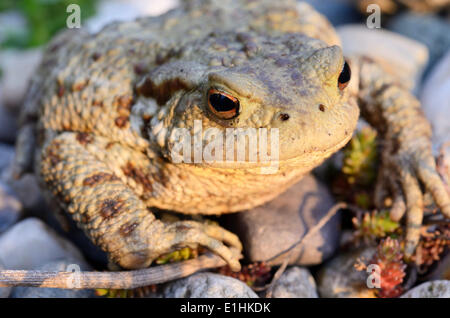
(345, 75)
(221, 103)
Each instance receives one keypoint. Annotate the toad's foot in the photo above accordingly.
(407, 159)
(191, 233)
(403, 171)
(75, 167)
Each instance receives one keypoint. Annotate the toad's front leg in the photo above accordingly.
(407, 158)
(74, 168)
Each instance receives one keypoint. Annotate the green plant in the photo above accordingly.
(360, 158)
(374, 225)
(44, 18)
(177, 256)
(141, 292)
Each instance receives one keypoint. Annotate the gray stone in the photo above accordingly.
(60, 265)
(27, 190)
(427, 29)
(435, 99)
(269, 230)
(4, 291)
(6, 155)
(31, 243)
(208, 285)
(8, 125)
(296, 282)
(400, 56)
(337, 11)
(18, 66)
(433, 289)
(10, 208)
(117, 10)
(338, 278)
(442, 269)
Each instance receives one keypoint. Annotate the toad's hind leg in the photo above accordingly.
(110, 212)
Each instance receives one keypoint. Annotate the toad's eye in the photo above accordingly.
(344, 77)
(223, 105)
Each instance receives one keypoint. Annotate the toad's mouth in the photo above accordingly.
(302, 160)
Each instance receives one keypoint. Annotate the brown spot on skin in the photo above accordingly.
(121, 121)
(84, 219)
(84, 138)
(137, 175)
(162, 178)
(96, 56)
(79, 86)
(61, 197)
(140, 68)
(125, 101)
(322, 107)
(53, 156)
(61, 91)
(52, 153)
(395, 147)
(163, 57)
(66, 126)
(109, 145)
(126, 229)
(183, 227)
(99, 178)
(97, 103)
(162, 92)
(146, 118)
(110, 207)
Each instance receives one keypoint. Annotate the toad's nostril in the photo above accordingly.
(284, 116)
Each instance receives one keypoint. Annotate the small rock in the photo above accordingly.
(6, 155)
(18, 66)
(111, 11)
(435, 99)
(8, 125)
(442, 270)
(208, 285)
(36, 292)
(339, 279)
(337, 11)
(31, 243)
(427, 29)
(4, 291)
(27, 190)
(398, 55)
(10, 208)
(270, 229)
(296, 282)
(93, 253)
(433, 289)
